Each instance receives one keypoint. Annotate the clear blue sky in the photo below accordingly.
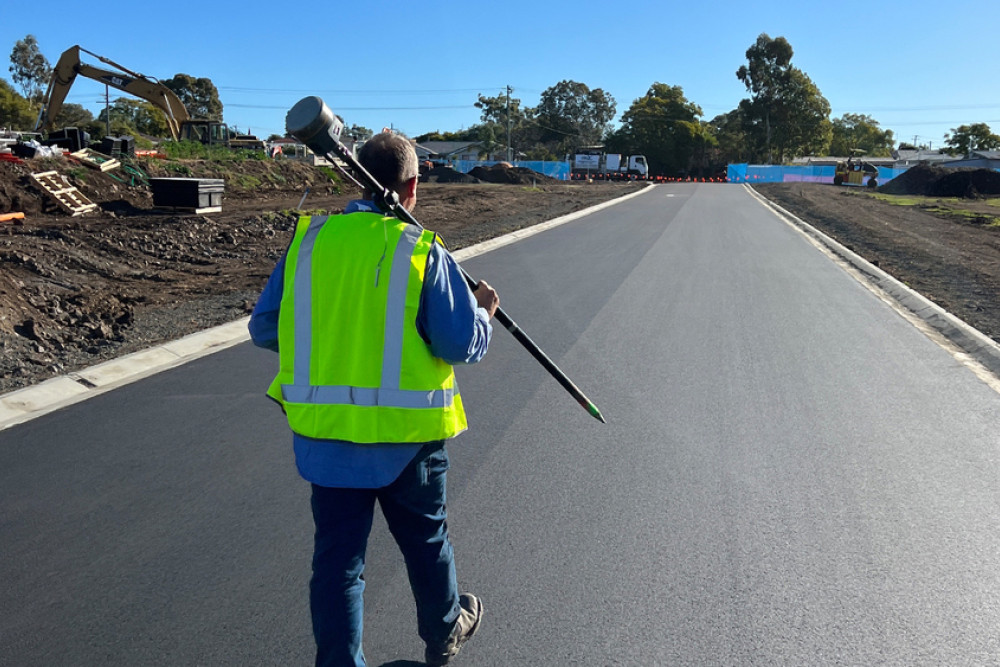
(919, 67)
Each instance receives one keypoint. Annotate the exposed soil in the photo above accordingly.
(75, 291)
(946, 248)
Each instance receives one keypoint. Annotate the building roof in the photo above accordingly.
(446, 148)
(981, 159)
(914, 155)
(833, 161)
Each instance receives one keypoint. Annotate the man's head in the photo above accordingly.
(392, 161)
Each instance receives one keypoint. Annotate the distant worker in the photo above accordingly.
(369, 314)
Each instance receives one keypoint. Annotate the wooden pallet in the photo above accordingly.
(69, 198)
(91, 158)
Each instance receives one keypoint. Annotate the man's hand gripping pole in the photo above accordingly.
(311, 122)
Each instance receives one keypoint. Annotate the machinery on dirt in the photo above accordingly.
(182, 126)
(856, 172)
(246, 141)
(594, 163)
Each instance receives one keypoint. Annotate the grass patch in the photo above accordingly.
(177, 168)
(899, 200)
(948, 207)
(245, 181)
(192, 150)
(334, 177)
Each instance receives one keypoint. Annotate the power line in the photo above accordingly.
(262, 106)
(355, 92)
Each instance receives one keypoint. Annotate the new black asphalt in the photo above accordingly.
(791, 473)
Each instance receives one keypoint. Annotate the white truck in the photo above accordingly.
(609, 166)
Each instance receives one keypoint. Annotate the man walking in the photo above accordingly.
(369, 314)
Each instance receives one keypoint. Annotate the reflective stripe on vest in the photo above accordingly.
(388, 394)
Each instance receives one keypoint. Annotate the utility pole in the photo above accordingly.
(510, 149)
(107, 111)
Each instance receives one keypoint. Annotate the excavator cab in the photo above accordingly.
(208, 132)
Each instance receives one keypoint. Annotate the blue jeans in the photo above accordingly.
(414, 509)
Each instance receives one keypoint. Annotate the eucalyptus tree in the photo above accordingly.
(964, 139)
(860, 132)
(29, 69)
(785, 115)
(570, 114)
(198, 95)
(662, 125)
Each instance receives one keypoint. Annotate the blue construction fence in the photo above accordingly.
(735, 173)
(753, 173)
(558, 170)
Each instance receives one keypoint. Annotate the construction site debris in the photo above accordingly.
(931, 181)
(91, 158)
(197, 195)
(504, 172)
(68, 197)
(446, 174)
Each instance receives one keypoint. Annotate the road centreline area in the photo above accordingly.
(964, 342)
(25, 404)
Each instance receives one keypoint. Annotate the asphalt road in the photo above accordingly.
(791, 474)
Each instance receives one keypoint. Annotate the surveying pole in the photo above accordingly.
(311, 122)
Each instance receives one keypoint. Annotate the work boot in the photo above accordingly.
(468, 621)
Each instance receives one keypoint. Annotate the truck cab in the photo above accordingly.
(637, 165)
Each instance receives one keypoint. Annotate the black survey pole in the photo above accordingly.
(311, 122)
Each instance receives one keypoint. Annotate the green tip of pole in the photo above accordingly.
(592, 409)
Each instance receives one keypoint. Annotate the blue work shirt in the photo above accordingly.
(457, 330)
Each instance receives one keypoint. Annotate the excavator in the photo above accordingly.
(182, 126)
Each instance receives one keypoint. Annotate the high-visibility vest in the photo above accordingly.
(353, 366)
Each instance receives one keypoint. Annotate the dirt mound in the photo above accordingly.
(968, 183)
(930, 181)
(914, 181)
(125, 190)
(444, 174)
(503, 172)
(115, 191)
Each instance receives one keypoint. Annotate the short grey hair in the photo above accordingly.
(390, 158)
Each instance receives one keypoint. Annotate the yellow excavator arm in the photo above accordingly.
(147, 88)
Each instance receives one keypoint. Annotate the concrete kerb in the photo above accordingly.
(23, 405)
(26, 404)
(966, 338)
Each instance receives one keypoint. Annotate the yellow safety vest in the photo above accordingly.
(352, 364)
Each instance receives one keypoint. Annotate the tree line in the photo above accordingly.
(784, 116)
